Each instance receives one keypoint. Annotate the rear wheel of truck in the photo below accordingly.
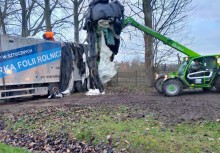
(79, 86)
(158, 84)
(84, 86)
(217, 84)
(207, 89)
(53, 88)
(172, 87)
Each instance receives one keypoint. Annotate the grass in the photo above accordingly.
(128, 130)
(9, 149)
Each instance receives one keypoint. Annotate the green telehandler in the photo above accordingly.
(187, 76)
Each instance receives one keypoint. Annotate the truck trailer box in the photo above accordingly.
(29, 66)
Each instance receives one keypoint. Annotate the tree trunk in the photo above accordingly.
(76, 21)
(24, 31)
(47, 14)
(148, 45)
(2, 23)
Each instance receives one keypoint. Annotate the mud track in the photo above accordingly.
(188, 107)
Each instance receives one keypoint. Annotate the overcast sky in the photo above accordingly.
(205, 26)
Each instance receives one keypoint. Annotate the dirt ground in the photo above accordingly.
(189, 106)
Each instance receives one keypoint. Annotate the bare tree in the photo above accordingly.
(6, 11)
(3, 14)
(47, 15)
(32, 17)
(48, 7)
(22, 17)
(77, 9)
(25, 14)
(78, 6)
(171, 18)
(66, 10)
(148, 17)
(164, 16)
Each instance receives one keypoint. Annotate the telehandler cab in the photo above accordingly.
(187, 76)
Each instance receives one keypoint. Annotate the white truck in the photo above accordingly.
(29, 67)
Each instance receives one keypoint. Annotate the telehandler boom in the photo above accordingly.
(165, 40)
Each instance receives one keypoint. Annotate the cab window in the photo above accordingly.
(210, 63)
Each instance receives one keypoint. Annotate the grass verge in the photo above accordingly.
(131, 129)
(9, 149)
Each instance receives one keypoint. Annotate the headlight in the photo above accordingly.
(8, 71)
(165, 77)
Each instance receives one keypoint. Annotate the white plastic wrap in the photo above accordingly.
(107, 69)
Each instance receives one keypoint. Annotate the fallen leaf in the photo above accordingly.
(211, 139)
(147, 129)
(127, 142)
(108, 137)
(122, 150)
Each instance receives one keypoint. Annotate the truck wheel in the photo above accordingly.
(158, 84)
(217, 84)
(206, 89)
(79, 86)
(84, 86)
(53, 88)
(172, 87)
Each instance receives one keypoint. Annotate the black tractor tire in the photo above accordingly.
(53, 88)
(158, 84)
(217, 84)
(172, 87)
